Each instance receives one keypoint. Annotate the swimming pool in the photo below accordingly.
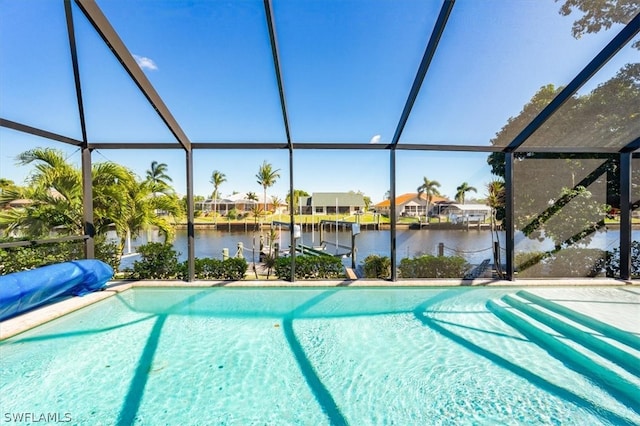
(234, 356)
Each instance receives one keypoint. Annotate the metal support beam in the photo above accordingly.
(42, 242)
(632, 146)
(191, 256)
(120, 51)
(626, 168)
(292, 219)
(509, 220)
(87, 180)
(135, 145)
(348, 146)
(76, 70)
(392, 212)
(38, 132)
(87, 204)
(609, 51)
(268, 10)
(429, 52)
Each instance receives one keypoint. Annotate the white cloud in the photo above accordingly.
(144, 62)
(375, 139)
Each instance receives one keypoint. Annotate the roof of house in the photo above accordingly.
(333, 198)
(405, 198)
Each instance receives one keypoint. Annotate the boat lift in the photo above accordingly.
(355, 230)
(315, 251)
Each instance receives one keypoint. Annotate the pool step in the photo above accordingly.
(624, 337)
(569, 344)
(580, 334)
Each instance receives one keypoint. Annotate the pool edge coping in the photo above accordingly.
(36, 317)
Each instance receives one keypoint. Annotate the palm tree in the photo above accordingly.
(55, 191)
(6, 184)
(267, 178)
(158, 178)
(139, 211)
(429, 188)
(462, 190)
(217, 179)
(275, 201)
(495, 197)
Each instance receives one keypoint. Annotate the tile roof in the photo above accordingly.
(405, 198)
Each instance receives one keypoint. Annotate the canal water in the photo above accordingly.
(474, 245)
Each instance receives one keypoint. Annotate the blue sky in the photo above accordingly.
(347, 68)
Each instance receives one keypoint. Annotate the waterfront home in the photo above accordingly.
(239, 202)
(411, 204)
(347, 203)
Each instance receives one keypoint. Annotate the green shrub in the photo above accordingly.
(214, 269)
(234, 268)
(428, 266)
(158, 261)
(16, 259)
(375, 266)
(109, 253)
(310, 267)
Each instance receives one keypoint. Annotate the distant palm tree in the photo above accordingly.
(429, 188)
(217, 179)
(267, 177)
(252, 196)
(158, 178)
(275, 201)
(495, 197)
(462, 191)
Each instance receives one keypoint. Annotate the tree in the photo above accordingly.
(297, 193)
(429, 188)
(55, 191)
(598, 14)
(6, 184)
(275, 201)
(143, 209)
(158, 178)
(267, 177)
(496, 199)
(252, 196)
(217, 179)
(367, 202)
(462, 190)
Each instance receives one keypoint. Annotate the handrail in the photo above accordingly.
(25, 243)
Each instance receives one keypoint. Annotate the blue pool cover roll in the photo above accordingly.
(21, 291)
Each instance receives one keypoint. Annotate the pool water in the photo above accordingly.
(300, 357)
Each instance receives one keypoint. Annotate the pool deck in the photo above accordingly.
(630, 313)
